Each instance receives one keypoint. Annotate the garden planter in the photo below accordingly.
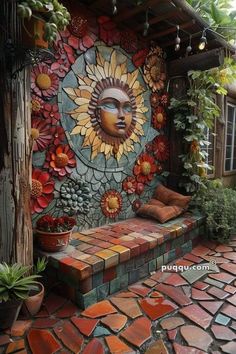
(53, 241)
(9, 312)
(33, 303)
(33, 34)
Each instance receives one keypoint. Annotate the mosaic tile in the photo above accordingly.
(115, 322)
(233, 325)
(196, 314)
(223, 333)
(158, 347)
(183, 263)
(102, 291)
(229, 310)
(134, 248)
(101, 331)
(67, 310)
(232, 299)
(230, 255)
(95, 346)
(138, 332)
(116, 346)
(128, 306)
(221, 319)
(115, 285)
(223, 248)
(48, 343)
(45, 323)
(192, 257)
(139, 289)
(172, 322)
(20, 327)
(157, 307)
(216, 260)
(109, 274)
(150, 283)
(100, 309)
(200, 285)
(222, 277)
(174, 293)
(211, 306)
(126, 294)
(193, 275)
(111, 258)
(196, 337)
(200, 295)
(229, 267)
(156, 294)
(181, 349)
(172, 334)
(214, 282)
(229, 348)
(175, 280)
(230, 289)
(4, 339)
(53, 302)
(220, 294)
(85, 325)
(69, 336)
(124, 252)
(95, 262)
(200, 251)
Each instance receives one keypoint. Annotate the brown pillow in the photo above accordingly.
(169, 197)
(160, 213)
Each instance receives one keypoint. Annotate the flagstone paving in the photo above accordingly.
(166, 313)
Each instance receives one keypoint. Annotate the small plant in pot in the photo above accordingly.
(53, 234)
(15, 284)
(35, 297)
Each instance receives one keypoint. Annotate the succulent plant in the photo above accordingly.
(75, 196)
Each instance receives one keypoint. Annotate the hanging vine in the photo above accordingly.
(197, 113)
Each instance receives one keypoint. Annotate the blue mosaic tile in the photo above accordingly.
(97, 279)
(114, 285)
(133, 276)
(102, 291)
(124, 281)
(222, 319)
(143, 271)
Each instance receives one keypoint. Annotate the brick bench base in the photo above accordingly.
(104, 260)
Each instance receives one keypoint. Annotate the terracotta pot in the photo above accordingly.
(9, 312)
(33, 34)
(33, 303)
(53, 241)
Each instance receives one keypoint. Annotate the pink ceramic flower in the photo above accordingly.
(51, 114)
(40, 133)
(44, 82)
(64, 55)
(58, 135)
(36, 105)
(129, 185)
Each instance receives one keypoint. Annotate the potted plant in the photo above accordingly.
(42, 19)
(53, 234)
(33, 302)
(15, 285)
(219, 205)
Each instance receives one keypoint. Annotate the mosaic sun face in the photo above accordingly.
(110, 110)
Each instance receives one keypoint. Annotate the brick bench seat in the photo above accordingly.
(103, 260)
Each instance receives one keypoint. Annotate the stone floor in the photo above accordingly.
(189, 312)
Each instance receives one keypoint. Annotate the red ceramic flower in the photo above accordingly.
(155, 99)
(159, 118)
(64, 55)
(139, 58)
(44, 82)
(136, 204)
(41, 191)
(58, 135)
(165, 99)
(36, 105)
(140, 188)
(108, 31)
(144, 168)
(82, 32)
(129, 185)
(40, 133)
(129, 41)
(51, 114)
(161, 148)
(60, 160)
(111, 203)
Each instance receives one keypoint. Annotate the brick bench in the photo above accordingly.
(106, 259)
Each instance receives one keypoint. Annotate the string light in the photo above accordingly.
(177, 40)
(189, 47)
(114, 8)
(146, 24)
(203, 40)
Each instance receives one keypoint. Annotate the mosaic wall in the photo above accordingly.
(99, 124)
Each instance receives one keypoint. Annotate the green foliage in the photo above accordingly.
(53, 13)
(195, 114)
(219, 206)
(40, 265)
(14, 282)
(218, 14)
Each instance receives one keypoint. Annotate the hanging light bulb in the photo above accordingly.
(203, 40)
(177, 40)
(114, 8)
(189, 47)
(146, 24)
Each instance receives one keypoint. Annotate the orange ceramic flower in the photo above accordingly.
(155, 99)
(41, 134)
(60, 160)
(154, 69)
(41, 191)
(36, 105)
(159, 118)
(129, 185)
(44, 82)
(144, 168)
(111, 203)
(161, 148)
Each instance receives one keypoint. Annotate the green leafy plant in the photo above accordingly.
(196, 113)
(55, 16)
(219, 205)
(14, 282)
(40, 265)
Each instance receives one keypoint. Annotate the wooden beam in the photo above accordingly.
(170, 30)
(126, 14)
(158, 19)
(202, 61)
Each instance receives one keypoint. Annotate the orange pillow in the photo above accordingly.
(160, 213)
(169, 197)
